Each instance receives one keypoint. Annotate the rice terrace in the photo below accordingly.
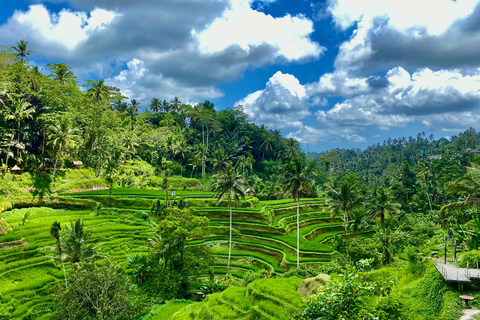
(240, 160)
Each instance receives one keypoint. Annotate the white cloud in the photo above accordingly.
(282, 104)
(338, 83)
(440, 99)
(419, 33)
(432, 16)
(66, 30)
(311, 135)
(242, 26)
(136, 82)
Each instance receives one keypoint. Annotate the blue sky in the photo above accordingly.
(335, 73)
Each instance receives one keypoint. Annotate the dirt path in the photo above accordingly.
(468, 314)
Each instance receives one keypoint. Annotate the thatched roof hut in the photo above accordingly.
(16, 169)
(249, 192)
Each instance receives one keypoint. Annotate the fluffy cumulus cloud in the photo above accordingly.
(439, 99)
(246, 28)
(410, 33)
(186, 46)
(282, 104)
(62, 31)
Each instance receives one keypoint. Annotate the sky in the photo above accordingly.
(334, 73)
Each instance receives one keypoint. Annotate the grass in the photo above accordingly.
(261, 241)
(166, 311)
(25, 273)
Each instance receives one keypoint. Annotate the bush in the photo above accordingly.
(96, 290)
(470, 259)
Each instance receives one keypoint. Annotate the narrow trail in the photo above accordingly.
(468, 314)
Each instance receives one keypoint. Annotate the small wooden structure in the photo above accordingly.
(249, 192)
(466, 298)
(77, 164)
(16, 169)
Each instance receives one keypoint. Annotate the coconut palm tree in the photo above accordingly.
(245, 164)
(55, 233)
(468, 186)
(297, 178)
(62, 138)
(165, 106)
(111, 166)
(382, 204)
(155, 105)
(18, 109)
(21, 50)
(98, 91)
(74, 242)
(175, 104)
(267, 145)
(343, 198)
(229, 185)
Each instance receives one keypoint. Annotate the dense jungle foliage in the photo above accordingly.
(110, 209)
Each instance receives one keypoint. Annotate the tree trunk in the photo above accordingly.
(55, 169)
(18, 139)
(298, 231)
(191, 174)
(230, 238)
(345, 224)
(382, 221)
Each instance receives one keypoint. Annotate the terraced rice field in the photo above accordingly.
(264, 238)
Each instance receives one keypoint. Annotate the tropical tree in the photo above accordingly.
(74, 242)
(21, 50)
(382, 204)
(229, 185)
(61, 72)
(62, 138)
(468, 186)
(267, 145)
(98, 91)
(175, 104)
(358, 222)
(297, 178)
(18, 109)
(165, 106)
(343, 198)
(55, 233)
(155, 105)
(111, 166)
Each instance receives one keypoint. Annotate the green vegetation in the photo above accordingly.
(188, 202)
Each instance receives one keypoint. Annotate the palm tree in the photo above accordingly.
(468, 186)
(111, 167)
(62, 138)
(358, 222)
(382, 204)
(196, 162)
(61, 72)
(229, 185)
(175, 104)
(165, 106)
(75, 242)
(267, 144)
(55, 233)
(98, 91)
(18, 109)
(135, 105)
(343, 198)
(219, 160)
(245, 164)
(21, 50)
(155, 105)
(297, 178)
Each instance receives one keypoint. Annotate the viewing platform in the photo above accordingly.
(451, 273)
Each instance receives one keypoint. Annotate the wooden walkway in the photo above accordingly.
(452, 273)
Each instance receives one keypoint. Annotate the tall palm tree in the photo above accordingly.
(61, 72)
(165, 106)
(75, 242)
(343, 198)
(18, 109)
(111, 166)
(175, 104)
(62, 138)
(245, 164)
(267, 144)
(55, 233)
(382, 204)
(155, 105)
(297, 178)
(21, 50)
(98, 91)
(229, 185)
(468, 186)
